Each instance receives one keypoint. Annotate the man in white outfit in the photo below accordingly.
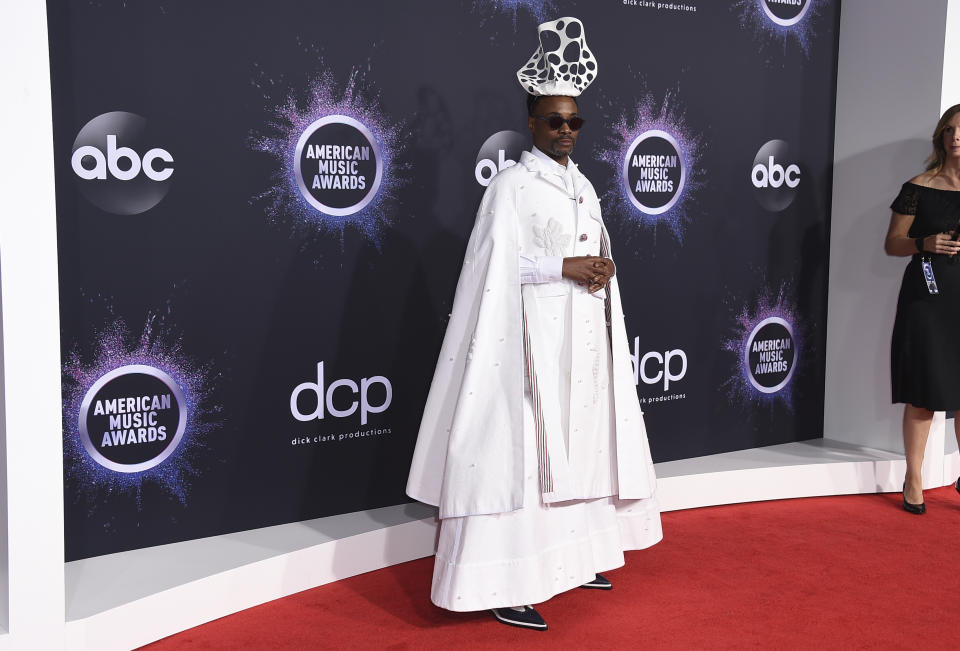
(532, 441)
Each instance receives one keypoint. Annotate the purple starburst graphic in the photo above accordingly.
(289, 120)
(625, 128)
(542, 10)
(768, 305)
(116, 346)
(754, 18)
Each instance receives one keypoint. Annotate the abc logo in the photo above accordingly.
(111, 171)
(774, 177)
(500, 151)
(785, 12)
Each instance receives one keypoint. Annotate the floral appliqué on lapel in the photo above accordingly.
(551, 238)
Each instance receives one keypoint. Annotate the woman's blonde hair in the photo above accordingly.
(939, 155)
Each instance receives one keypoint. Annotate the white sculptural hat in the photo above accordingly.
(563, 64)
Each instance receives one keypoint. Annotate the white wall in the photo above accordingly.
(950, 93)
(891, 65)
(31, 334)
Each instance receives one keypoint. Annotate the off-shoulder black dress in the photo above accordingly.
(925, 351)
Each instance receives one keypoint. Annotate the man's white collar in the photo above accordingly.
(547, 164)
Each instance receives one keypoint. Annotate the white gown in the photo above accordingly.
(531, 554)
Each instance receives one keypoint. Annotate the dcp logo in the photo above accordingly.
(324, 397)
(654, 172)
(655, 367)
(770, 355)
(118, 165)
(338, 165)
(500, 151)
(774, 177)
(785, 12)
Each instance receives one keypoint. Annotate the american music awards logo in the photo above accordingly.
(338, 165)
(780, 20)
(133, 418)
(767, 342)
(335, 153)
(654, 172)
(654, 156)
(136, 408)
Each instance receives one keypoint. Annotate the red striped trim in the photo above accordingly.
(543, 454)
(605, 253)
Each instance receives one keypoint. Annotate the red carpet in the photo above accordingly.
(851, 572)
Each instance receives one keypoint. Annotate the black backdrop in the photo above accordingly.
(237, 289)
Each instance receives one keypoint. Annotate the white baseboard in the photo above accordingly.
(176, 609)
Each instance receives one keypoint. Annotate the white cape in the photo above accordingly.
(469, 454)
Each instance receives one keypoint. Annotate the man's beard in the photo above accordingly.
(560, 154)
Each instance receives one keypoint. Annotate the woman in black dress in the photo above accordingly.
(925, 352)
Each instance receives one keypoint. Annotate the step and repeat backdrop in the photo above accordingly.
(263, 209)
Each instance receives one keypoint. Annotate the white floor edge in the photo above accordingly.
(137, 623)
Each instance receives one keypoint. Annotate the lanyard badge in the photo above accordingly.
(928, 276)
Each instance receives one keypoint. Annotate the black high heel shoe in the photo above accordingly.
(916, 509)
(957, 485)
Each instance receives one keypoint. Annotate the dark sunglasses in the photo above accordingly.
(555, 122)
